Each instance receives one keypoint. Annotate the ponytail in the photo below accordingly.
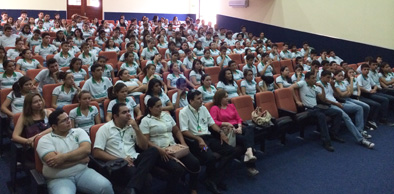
(17, 86)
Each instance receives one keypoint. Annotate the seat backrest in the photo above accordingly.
(143, 64)
(353, 66)
(106, 103)
(3, 94)
(266, 101)
(32, 73)
(16, 117)
(112, 56)
(142, 103)
(49, 57)
(280, 45)
(67, 108)
(236, 57)
(39, 59)
(162, 51)
(244, 106)
(37, 159)
(115, 80)
(186, 73)
(64, 69)
(276, 65)
(47, 91)
(213, 72)
(81, 84)
(284, 99)
(93, 132)
(165, 74)
(208, 105)
(288, 64)
(177, 111)
(170, 93)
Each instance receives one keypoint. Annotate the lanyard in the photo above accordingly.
(121, 135)
(198, 120)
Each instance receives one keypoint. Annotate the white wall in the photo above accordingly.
(364, 21)
(148, 6)
(54, 5)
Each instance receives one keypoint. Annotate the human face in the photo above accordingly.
(28, 55)
(37, 103)
(8, 33)
(85, 99)
(196, 102)
(250, 61)
(46, 39)
(102, 61)
(175, 57)
(350, 73)
(19, 45)
(47, 17)
(238, 45)
(65, 47)
(98, 73)
(130, 58)
(311, 80)
(339, 77)
(86, 49)
(207, 54)
(175, 68)
(122, 94)
(157, 88)
(151, 70)
(125, 75)
(332, 54)
(224, 100)
(63, 125)
(233, 66)
(386, 68)
(285, 72)
(373, 66)
(155, 110)
(10, 67)
(379, 60)
(207, 81)
(185, 46)
(27, 87)
(325, 79)
(228, 75)
(53, 67)
(123, 115)
(198, 65)
(2, 54)
(40, 23)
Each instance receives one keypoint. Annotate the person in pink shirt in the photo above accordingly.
(226, 115)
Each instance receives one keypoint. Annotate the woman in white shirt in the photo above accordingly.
(207, 60)
(283, 81)
(17, 96)
(196, 73)
(155, 90)
(65, 94)
(84, 116)
(248, 85)
(160, 129)
(207, 89)
(227, 82)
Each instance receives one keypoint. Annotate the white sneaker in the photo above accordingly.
(366, 135)
(367, 143)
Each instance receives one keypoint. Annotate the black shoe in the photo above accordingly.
(328, 147)
(337, 139)
(372, 124)
(222, 186)
(211, 186)
(129, 191)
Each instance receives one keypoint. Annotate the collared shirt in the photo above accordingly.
(8, 41)
(97, 89)
(146, 78)
(337, 59)
(375, 76)
(197, 75)
(52, 142)
(64, 98)
(197, 122)
(328, 91)
(7, 82)
(26, 65)
(173, 78)
(16, 102)
(251, 67)
(294, 77)
(32, 42)
(231, 89)
(355, 86)
(84, 121)
(163, 98)
(239, 51)
(270, 87)
(88, 59)
(78, 76)
(215, 52)
(308, 94)
(136, 58)
(268, 71)
(226, 60)
(159, 66)
(13, 53)
(44, 51)
(131, 82)
(63, 60)
(238, 74)
(250, 87)
(159, 129)
(365, 82)
(132, 68)
(182, 101)
(130, 103)
(207, 95)
(148, 53)
(116, 141)
(210, 62)
(44, 78)
(283, 81)
(188, 62)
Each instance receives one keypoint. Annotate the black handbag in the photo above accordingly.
(115, 165)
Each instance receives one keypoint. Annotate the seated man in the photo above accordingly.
(48, 76)
(194, 122)
(118, 139)
(308, 93)
(64, 153)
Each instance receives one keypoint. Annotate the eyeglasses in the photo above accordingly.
(64, 120)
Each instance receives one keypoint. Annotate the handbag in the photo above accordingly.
(177, 150)
(262, 118)
(229, 132)
(116, 165)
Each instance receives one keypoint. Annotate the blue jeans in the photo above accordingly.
(87, 181)
(348, 121)
(320, 115)
(364, 105)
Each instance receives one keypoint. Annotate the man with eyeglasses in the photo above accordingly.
(64, 154)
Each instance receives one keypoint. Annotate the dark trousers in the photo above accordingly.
(320, 114)
(384, 100)
(375, 108)
(176, 170)
(246, 140)
(138, 176)
(214, 172)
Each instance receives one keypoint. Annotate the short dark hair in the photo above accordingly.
(364, 66)
(51, 61)
(116, 107)
(44, 34)
(324, 62)
(308, 74)
(192, 94)
(325, 73)
(94, 67)
(53, 117)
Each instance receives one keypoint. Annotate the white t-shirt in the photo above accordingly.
(26, 65)
(238, 74)
(182, 101)
(44, 51)
(207, 96)
(365, 82)
(84, 121)
(173, 78)
(148, 53)
(251, 67)
(64, 98)
(270, 87)
(7, 82)
(13, 54)
(159, 129)
(210, 62)
(88, 59)
(226, 60)
(283, 81)
(250, 87)
(78, 76)
(163, 98)
(16, 102)
(130, 103)
(63, 61)
(8, 41)
(97, 89)
(231, 89)
(43, 78)
(268, 71)
(308, 94)
(132, 68)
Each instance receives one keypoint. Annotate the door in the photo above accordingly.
(89, 8)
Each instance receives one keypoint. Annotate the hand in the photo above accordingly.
(299, 103)
(133, 124)
(223, 138)
(202, 145)
(164, 155)
(319, 84)
(339, 105)
(30, 141)
(85, 160)
(226, 124)
(56, 161)
(129, 161)
(238, 130)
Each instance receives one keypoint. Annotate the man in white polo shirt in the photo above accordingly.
(65, 154)
(194, 123)
(119, 138)
(45, 48)
(64, 57)
(47, 76)
(8, 39)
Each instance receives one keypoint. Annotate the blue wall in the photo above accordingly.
(15, 13)
(138, 16)
(352, 52)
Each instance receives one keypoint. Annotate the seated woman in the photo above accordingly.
(155, 90)
(225, 115)
(248, 85)
(227, 82)
(179, 98)
(27, 62)
(84, 116)
(10, 76)
(130, 64)
(267, 84)
(77, 71)
(283, 80)
(159, 63)
(175, 75)
(32, 122)
(160, 129)
(207, 89)
(237, 74)
(118, 94)
(196, 73)
(66, 93)
(298, 75)
(134, 87)
(16, 97)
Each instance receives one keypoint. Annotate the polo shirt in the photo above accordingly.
(131, 82)
(44, 51)
(274, 56)
(132, 68)
(341, 86)
(159, 129)
(268, 71)
(238, 74)
(52, 142)
(64, 98)
(62, 60)
(130, 103)
(43, 78)
(197, 122)
(78, 76)
(365, 82)
(294, 77)
(182, 101)
(239, 51)
(210, 62)
(188, 63)
(87, 34)
(164, 45)
(163, 98)
(375, 76)
(173, 78)
(328, 91)
(231, 89)
(84, 121)
(100, 41)
(107, 71)
(113, 49)
(337, 59)
(13, 54)
(97, 89)
(270, 87)
(296, 54)
(250, 87)
(355, 85)
(136, 57)
(251, 67)
(26, 65)
(7, 82)
(78, 42)
(283, 81)
(8, 41)
(16, 102)
(308, 93)
(148, 54)
(33, 42)
(95, 51)
(215, 52)
(226, 60)
(159, 66)
(197, 75)
(119, 142)
(207, 96)
(205, 41)
(146, 78)
(88, 59)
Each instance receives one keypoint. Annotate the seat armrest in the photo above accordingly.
(284, 112)
(38, 177)
(18, 146)
(97, 163)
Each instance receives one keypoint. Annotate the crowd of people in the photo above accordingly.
(159, 67)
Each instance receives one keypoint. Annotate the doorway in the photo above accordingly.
(89, 8)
